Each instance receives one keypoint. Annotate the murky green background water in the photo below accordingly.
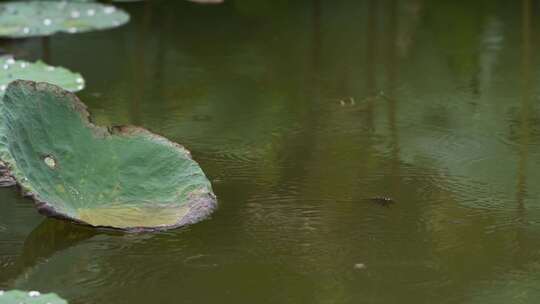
(299, 112)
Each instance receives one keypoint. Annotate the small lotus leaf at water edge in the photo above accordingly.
(11, 69)
(29, 297)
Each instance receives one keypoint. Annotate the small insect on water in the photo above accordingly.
(382, 200)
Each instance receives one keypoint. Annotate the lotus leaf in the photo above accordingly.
(17, 69)
(43, 18)
(118, 177)
(31, 297)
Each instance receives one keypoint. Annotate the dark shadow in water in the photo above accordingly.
(163, 45)
(317, 37)
(371, 45)
(46, 49)
(303, 152)
(139, 64)
(525, 106)
(392, 76)
(48, 238)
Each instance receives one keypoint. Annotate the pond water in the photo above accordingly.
(300, 112)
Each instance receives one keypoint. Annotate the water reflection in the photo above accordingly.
(525, 105)
(44, 241)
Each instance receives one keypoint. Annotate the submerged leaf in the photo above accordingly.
(12, 69)
(123, 177)
(43, 18)
(29, 297)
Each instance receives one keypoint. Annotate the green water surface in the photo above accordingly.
(299, 112)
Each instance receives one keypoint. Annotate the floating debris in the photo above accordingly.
(122, 177)
(348, 101)
(359, 266)
(20, 19)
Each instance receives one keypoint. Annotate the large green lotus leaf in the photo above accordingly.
(31, 297)
(121, 177)
(38, 71)
(43, 18)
